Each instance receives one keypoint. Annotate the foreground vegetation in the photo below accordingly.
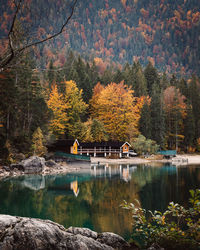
(176, 228)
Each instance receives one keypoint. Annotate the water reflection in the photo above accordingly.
(92, 199)
(106, 170)
(34, 182)
(74, 187)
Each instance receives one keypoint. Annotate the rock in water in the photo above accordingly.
(32, 165)
(18, 233)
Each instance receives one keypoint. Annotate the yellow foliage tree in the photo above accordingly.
(75, 108)
(116, 107)
(37, 143)
(58, 106)
(67, 109)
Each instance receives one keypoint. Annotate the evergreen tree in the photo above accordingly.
(83, 82)
(145, 121)
(51, 74)
(151, 76)
(189, 128)
(164, 83)
(175, 108)
(194, 98)
(157, 117)
(107, 77)
(22, 102)
(118, 76)
(174, 81)
(182, 85)
(128, 75)
(140, 83)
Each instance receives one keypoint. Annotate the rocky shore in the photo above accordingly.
(38, 165)
(19, 233)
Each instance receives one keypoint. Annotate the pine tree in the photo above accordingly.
(194, 97)
(145, 121)
(151, 76)
(174, 81)
(140, 83)
(118, 76)
(51, 74)
(182, 85)
(164, 83)
(175, 112)
(189, 127)
(157, 117)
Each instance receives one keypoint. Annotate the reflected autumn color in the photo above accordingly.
(92, 199)
(74, 187)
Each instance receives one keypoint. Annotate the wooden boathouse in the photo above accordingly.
(64, 145)
(106, 148)
(69, 148)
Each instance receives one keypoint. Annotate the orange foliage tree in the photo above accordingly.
(117, 108)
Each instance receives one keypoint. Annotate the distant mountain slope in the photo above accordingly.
(166, 32)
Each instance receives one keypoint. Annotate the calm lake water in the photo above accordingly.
(92, 199)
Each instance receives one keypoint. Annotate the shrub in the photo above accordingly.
(145, 146)
(176, 228)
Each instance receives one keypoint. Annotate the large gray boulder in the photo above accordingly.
(18, 233)
(32, 165)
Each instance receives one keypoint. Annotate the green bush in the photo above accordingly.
(176, 228)
(144, 146)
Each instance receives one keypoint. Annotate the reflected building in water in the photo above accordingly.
(122, 171)
(74, 187)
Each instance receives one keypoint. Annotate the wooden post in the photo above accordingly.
(105, 152)
(94, 151)
(109, 150)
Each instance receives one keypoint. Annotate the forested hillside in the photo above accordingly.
(164, 32)
(79, 102)
(80, 85)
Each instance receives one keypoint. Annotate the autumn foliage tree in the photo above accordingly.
(66, 109)
(57, 105)
(76, 107)
(38, 147)
(116, 107)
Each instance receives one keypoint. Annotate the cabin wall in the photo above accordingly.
(125, 148)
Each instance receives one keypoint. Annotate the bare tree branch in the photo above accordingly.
(11, 55)
(14, 52)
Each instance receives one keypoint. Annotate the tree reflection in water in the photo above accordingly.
(92, 199)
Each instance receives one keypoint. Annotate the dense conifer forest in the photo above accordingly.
(113, 32)
(120, 69)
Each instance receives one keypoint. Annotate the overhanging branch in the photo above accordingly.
(14, 52)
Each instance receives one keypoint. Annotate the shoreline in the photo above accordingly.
(183, 159)
(64, 168)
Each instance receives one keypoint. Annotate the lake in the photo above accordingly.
(92, 199)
